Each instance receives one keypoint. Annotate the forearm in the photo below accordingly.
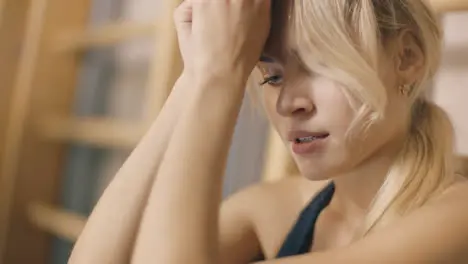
(181, 221)
(110, 231)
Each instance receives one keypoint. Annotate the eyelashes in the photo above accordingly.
(274, 80)
(272, 76)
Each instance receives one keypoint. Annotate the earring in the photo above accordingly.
(405, 89)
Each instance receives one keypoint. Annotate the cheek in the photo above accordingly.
(334, 108)
(395, 123)
(270, 99)
(384, 136)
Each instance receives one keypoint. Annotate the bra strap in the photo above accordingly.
(300, 238)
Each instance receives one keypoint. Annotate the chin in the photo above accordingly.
(320, 171)
(315, 173)
(332, 162)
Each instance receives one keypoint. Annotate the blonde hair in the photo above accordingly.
(342, 40)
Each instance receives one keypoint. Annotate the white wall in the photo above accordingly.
(451, 84)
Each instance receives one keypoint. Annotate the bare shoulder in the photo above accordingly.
(458, 187)
(454, 198)
(435, 233)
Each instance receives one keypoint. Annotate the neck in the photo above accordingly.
(355, 190)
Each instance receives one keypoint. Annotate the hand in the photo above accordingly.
(183, 22)
(228, 36)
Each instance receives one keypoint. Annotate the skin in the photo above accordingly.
(176, 214)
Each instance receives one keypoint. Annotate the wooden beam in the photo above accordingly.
(64, 224)
(11, 32)
(443, 6)
(103, 36)
(2, 10)
(44, 83)
(99, 132)
(22, 90)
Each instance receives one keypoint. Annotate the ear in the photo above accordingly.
(410, 58)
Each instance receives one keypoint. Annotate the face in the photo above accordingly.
(313, 114)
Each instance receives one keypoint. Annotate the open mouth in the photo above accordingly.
(307, 144)
(302, 140)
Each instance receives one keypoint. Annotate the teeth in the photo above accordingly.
(309, 139)
(305, 139)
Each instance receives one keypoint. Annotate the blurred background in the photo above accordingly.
(81, 81)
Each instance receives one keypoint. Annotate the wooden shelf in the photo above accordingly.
(64, 224)
(103, 36)
(100, 132)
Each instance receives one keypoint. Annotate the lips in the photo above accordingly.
(309, 139)
(304, 142)
(305, 136)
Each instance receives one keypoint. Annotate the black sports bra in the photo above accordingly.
(301, 237)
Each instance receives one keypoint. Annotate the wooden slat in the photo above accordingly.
(101, 132)
(2, 10)
(43, 83)
(12, 31)
(64, 224)
(17, 115)
(443, 6)
(103, 36)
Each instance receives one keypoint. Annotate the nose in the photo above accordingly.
(295, 100)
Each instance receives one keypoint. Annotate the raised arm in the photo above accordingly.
(109, 233)
(180, 223)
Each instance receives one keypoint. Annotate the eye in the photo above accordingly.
(274, 80)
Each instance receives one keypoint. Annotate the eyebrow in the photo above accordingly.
(267, 59)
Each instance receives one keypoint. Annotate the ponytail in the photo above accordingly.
(423, 169)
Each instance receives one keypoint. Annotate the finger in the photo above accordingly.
(183, 13)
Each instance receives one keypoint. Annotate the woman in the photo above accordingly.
(343, 84)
